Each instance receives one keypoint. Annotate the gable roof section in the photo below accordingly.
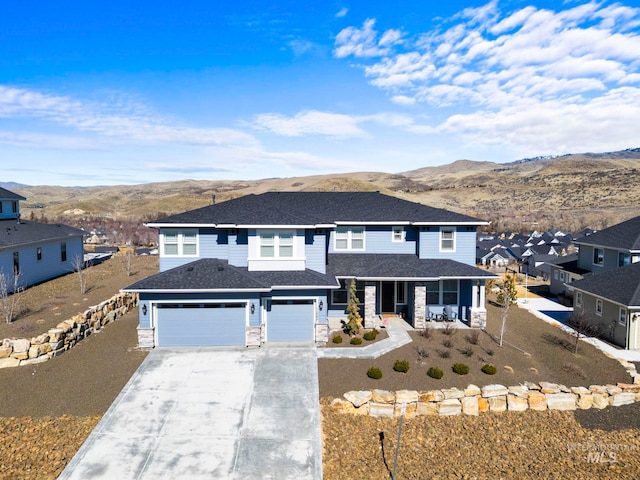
(212, 274)
(316, 209)
(14, 233)
(396, 267)
(621, 285)
(625, 235)
(9, 195)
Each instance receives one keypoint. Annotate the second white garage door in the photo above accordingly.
(291, 321)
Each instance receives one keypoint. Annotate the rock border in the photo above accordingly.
(16, 352)
(474, 400)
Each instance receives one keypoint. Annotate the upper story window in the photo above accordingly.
(447, 239)
(349, 238)
(63, 252)
(39, 253)
(598, 256)
(276, 244)
(624, 259)
(398, 234)
(599, 307)
(180, 243)
(578, 299)
(16, 263)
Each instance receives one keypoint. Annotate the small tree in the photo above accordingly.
(507, 296)
(582, 326)
(78, 265)
(10, 294)
(354, 320)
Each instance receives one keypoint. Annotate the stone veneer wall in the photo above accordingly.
(23, 351)
(474, 400)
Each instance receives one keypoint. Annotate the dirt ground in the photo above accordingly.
(533, 351)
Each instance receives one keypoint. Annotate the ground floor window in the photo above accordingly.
(622, 319)
(401, 292)
(598, 307)
(341, 295)
(443, 292)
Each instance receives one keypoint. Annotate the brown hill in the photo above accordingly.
(570, 191)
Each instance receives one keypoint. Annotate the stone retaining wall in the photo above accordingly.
(23, 351)
(474, 400)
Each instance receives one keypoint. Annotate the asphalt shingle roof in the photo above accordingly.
(13, 233)
(9, 195)
(621, 285)
(316, 208)
(217, 274)
(625, 235)
(364, 265)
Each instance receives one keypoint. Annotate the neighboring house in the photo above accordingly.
(33, 252)
(611, 300)
(277, 267)
(605, 250)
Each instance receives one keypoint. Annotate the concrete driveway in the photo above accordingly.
(211, 413)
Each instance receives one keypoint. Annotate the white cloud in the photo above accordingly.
(342, 13)
(310, 122)
(517, 76)
(120, 120)
(363, 42)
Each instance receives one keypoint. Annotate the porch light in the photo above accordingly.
(253, 309)
(321, 305)
(144, 309)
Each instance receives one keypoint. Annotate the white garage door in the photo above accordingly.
(290, 321)
(213, 324)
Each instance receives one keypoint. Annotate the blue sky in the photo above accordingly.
(100, 93)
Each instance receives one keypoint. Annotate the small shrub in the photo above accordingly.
(467, 352)
(336, 339)
(422, 353)
(489, 369)
(370, 335)
(375, 373)
(448, 329)
(426, 332)
(444, 353)
(474, 337)
(435, 372)
(355, 341)
(447, 343)
(460, 368)
(401, 366)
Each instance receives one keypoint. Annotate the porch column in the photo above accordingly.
(478, 313)
(369, 319)
(419, 305)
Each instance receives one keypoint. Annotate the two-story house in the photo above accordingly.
(32, 252)
(608, 289)
(278, 266)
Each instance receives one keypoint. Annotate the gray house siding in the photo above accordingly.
(465, 245)
(213, 243)
(239, 248)
(32, 270)
(585, 259)
(609, 327)
(8, 207)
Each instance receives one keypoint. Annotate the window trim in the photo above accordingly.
(180, 243)
(398, 234)
(622, 318)
(276, 242)
(599, 307)
(349, 231)
(624, 259)
(598, 259)
(443, 231)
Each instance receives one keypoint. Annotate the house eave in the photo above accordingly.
(437, 224)
(195, 290)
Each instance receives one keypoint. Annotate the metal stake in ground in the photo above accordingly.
(395, 461)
